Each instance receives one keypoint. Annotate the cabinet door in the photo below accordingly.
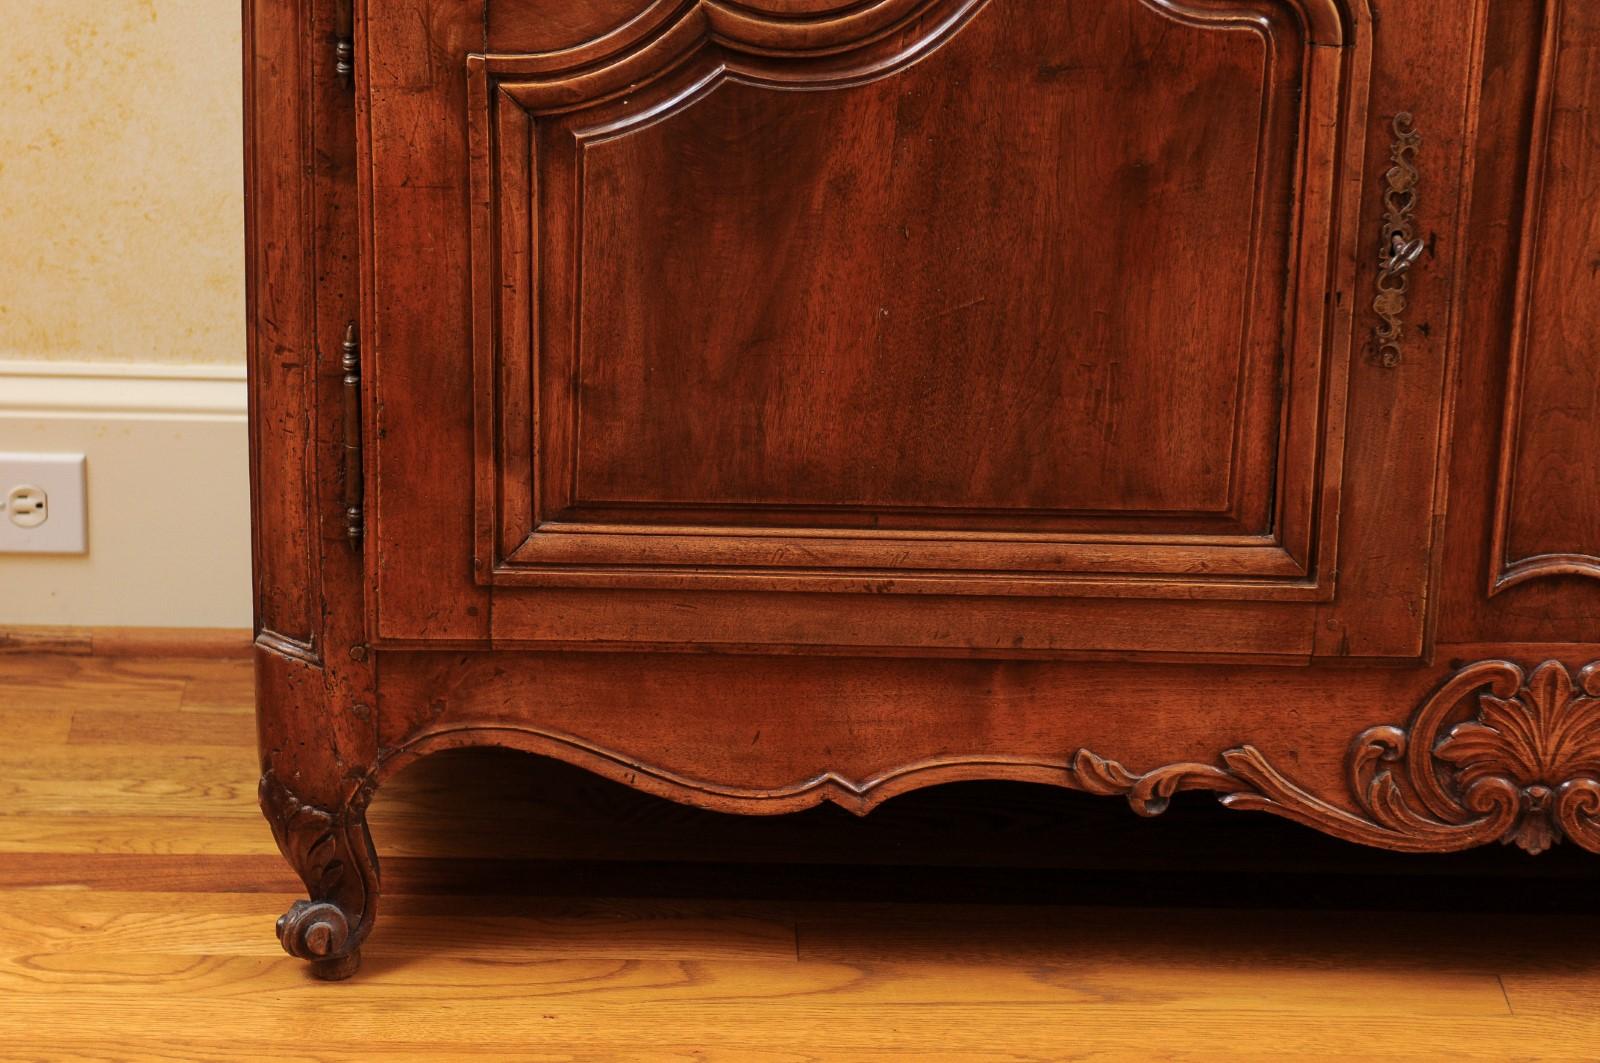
(903, 326)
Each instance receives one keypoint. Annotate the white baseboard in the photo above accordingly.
(169, 494)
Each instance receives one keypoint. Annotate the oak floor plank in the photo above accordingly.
(479, 933)
(506, 930)
(156, 763)
(258, 1000)
(125, 777)
(165, 725)
(34, 725)
(150, 820)
(541, 1049)
(245, 874)
(130, 672)
(144, 698)
(476, 970)
(1432, 944)
(172, 787)
(1558, 990)
(221, 686)
(535, 1051)
(132, 834)
(86, 682)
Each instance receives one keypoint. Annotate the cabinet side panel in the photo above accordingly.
(281, 326)
(314, 695)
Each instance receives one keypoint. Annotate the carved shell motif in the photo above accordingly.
(1545, 741)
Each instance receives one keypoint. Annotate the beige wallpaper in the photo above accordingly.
(120, 181)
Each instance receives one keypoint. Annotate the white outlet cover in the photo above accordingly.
(61, 477)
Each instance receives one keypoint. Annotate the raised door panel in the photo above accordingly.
(954, 297)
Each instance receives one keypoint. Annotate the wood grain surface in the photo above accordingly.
(138, 886)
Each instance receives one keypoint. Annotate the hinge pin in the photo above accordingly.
(350, 362)
(344, 43)
(344, 60)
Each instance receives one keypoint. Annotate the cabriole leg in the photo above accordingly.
(332, 852)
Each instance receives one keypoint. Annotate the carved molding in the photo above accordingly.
(290, 647)
(891, 32)
(1323, 20)
(858, 795)
(1495, 754)
(849, 44)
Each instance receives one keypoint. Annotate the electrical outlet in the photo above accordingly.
(42, 504)
(28, 506)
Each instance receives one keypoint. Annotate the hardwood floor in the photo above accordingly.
(139, 884)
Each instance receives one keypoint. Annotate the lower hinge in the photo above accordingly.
(350, 362)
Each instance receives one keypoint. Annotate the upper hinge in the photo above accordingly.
(344, 44)
(350, 362)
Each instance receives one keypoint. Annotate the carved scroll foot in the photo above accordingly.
(332, 852)
(320, 932)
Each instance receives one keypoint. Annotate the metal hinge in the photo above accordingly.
(344, 44)
(350, 362)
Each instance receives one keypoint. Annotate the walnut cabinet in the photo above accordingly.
(769, 402)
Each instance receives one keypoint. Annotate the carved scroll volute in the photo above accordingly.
(1399, 247)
